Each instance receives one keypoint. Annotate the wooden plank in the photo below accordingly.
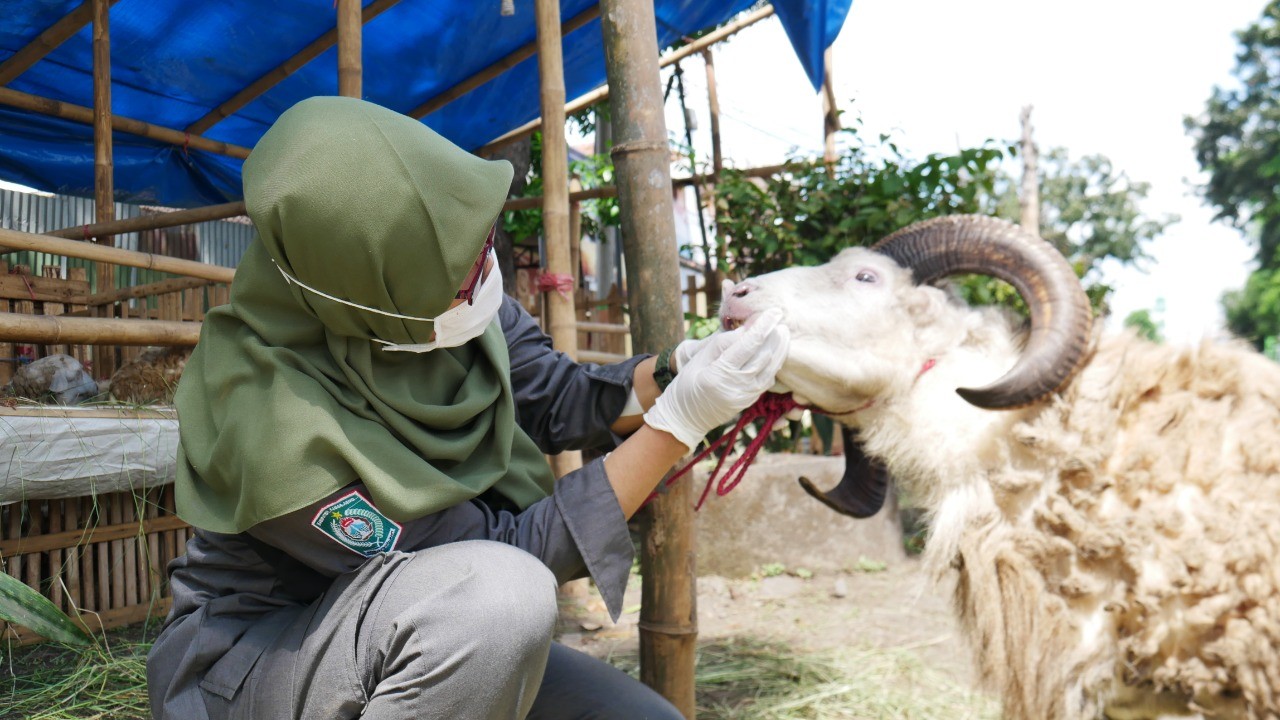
(23, 307)
(13, 563)
(129, 577)
(153, 221)
(71, 507)
(31, 566)
(89, 595)
(84, 537)
(56, 574)
(47, 289)
(79, 274)
(168, 538)
(142, 291)
(119, 413)
(54, 308)
(115, 516)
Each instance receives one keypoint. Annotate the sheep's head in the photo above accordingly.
(863, 325)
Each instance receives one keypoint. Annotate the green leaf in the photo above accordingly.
(23, 606)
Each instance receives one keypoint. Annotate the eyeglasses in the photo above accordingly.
(477, 271)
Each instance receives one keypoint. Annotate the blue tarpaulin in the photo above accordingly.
(172, 61)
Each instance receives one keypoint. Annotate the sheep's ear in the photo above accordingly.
(925, 301)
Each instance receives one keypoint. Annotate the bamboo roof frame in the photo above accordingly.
(519, 55)
(282, 71)
(47, 41)
(602, 92)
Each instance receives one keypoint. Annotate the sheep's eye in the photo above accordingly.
(865, 276)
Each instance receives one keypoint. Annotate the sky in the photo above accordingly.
(1114, 78)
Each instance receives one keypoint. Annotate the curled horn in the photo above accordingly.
(1060, 315)
(862, 490)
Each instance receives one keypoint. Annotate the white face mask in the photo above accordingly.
(453, 327)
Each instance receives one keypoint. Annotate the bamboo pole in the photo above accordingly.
(55, 329)
(47, 41)
(1029, 198)
(16, 240)
(104, 358)
(519, 55)
(606, 191)
(81, 114)
(279, 73)
(830, 112)
(668, 627)
(712, 273)
(350, 41)
(151, 222)
(713, 101)
(670, 58)
(561, 316)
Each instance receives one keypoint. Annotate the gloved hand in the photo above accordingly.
(726, 374)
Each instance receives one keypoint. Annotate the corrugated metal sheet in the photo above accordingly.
(219, 242)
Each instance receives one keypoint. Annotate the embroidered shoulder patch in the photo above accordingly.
(353, 522)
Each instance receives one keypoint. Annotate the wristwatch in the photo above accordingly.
(662, 372)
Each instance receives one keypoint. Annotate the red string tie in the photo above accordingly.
(771, 407)
(186, 143)
(559, 282)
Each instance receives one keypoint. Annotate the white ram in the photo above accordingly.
(1110, 508)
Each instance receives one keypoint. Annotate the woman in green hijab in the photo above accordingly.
(363, 430)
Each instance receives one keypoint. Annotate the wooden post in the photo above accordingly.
(830, 113)
(713, 100)
(668, 627)
(103, 163)
(350, 30)
(561, 318)
(1029, 198)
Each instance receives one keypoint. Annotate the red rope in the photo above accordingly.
(558, 282)
(771, 407)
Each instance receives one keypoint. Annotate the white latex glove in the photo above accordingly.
(725, 376)
(687, 349)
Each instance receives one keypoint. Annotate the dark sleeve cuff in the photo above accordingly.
(590, 510)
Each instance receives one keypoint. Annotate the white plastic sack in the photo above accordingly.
(64, 452)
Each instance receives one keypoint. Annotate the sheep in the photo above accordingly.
(151, 377)
(1108, 508)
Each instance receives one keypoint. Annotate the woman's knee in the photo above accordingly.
(502, 593)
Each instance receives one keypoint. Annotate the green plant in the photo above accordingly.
(21, 605)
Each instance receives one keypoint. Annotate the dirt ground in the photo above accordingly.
(896, 608)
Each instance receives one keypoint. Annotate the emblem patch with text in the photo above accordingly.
(353, 522)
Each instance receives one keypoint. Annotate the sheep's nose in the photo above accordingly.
(742, 289)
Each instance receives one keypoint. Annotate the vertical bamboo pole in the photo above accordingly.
(713, 100)
(561, 318)
(103, 161)
(350, 42)
(668, 628)
(712, 279)
(1029, 198)
(830, 113)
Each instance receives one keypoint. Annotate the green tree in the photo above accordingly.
(1090, 212)
(808, 212)
(1237, 138)
(1146, 326)
(1237, 143)
(1253, 313)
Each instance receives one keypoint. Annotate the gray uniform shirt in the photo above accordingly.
(225, 584)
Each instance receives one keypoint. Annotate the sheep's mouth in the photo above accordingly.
(732, 323)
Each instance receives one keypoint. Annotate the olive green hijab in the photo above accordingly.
(287, 397)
